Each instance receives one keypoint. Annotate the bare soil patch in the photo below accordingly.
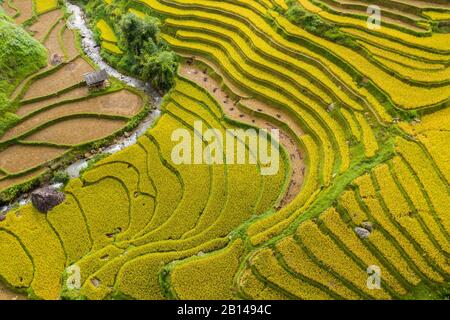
(52, 44)
(198, 72)
(25, 8)
(45, 21)
(69, 42)
(286, 140)
(69, 75)
(231, 109)
(9, 182)
(8, 294)
(8, 10)
(72, 94)
(18, 158)
(276, 113)
(77, 131)
(121, 103)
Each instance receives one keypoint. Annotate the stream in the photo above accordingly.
(77, 21)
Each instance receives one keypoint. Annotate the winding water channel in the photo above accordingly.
(77, 21)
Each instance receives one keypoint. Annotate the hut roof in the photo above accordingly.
(96, 77)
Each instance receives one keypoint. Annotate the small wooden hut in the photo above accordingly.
(96, 79)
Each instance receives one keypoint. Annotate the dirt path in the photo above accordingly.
(231, 108)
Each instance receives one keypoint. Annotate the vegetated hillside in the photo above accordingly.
(369, 111)
(20, 56)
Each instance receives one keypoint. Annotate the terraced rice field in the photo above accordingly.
(109, 39)
(364, 166)
(20, 10)
(55, 110)
(45, 5)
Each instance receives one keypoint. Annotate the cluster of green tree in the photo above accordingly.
(441, 27)
(146, 55)
(316, 25)
(20, 56)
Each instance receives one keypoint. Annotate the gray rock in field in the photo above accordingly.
(200, 254)
(367, 225)
(45, 199)
(56, 59)
(362, 233)
(96, 282)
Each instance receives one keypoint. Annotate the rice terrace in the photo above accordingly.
(138, 141)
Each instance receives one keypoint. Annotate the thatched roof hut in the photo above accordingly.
(96, 79)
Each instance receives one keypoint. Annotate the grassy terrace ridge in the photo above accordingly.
(373, 108)
(21, 56)
(408, 21)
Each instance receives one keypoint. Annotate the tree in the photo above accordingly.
(160, 69)
(139, 34)
(146, 55)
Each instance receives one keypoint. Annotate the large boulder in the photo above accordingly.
(45, 199)
(362, 233)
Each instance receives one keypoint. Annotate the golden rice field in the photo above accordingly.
(365, 136)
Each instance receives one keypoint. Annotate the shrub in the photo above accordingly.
(316, 25)
(161, 69)
(21, 55)
(145, 55)
(61, 177)
(7, 119)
